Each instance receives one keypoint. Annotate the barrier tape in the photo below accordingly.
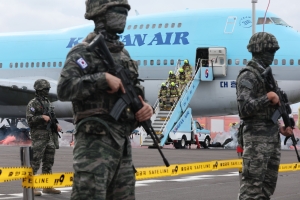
(49, 180)
(14, 173)
(66, 179)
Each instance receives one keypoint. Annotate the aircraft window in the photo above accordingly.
(172, 25)
(166, 25)
(165, 62)
(279, 21)
(43, 64)
(172, 62)
(16, 65)
(151, 62)
(27, 65)
(222, 61)
(298, 62)
(135, 26)
(244, 61)
(10, 65)
(139, 62)
(0, 65)
(292, 62)
(153, 25)
(275, 62)
(32, 64)
(229, 61)
(160, 25)
(158, 62)
(60, 64)
(37, 64)
(147, 26)
(237, 61)
(48, 64)
(262, 19)
(283, 61)
(21, 65)
(141, 26)
(179, 25)
(129, 27)
(54, 64)
(145, 62)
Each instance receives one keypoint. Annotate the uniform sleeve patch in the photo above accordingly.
(82, 63)
(32, 109)
(247, 84)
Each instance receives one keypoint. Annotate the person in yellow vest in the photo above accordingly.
(162, 95)
(172, 78)
(181, 80)
(187, 69)
(173, 93)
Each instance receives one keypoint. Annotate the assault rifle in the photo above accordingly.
(52, 124)
(130, 98)
(283, 110)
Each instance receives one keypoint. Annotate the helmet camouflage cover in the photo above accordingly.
(96, 8)
(262, 42)
(41, 84)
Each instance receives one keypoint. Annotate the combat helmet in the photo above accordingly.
(262, 42)
(41, 84)
(96, 8)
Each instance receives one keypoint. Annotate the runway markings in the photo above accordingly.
(142, 183)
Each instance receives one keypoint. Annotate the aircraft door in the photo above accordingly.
(218, 61)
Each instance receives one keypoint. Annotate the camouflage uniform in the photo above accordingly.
(102, 151)
(261, 141)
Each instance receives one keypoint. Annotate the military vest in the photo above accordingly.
(101, 102)
(267, 112)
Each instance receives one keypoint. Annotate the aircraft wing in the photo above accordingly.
(19, 92)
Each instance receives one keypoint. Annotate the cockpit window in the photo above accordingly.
(262, 19)
(279, 21)
(271, 20)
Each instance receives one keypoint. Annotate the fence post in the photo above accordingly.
(26, 156)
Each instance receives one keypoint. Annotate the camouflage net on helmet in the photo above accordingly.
(262, 42)
(96, 8)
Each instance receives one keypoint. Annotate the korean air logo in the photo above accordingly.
(206, 73)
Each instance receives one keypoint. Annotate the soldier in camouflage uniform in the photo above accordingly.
(261, 139)
(44, 142)
(102, 151)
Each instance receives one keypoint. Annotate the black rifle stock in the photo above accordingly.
(130, 98)
(284, 109)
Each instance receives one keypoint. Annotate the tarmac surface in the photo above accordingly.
(205, 186)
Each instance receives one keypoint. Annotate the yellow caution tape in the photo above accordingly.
(66, 179)
(49, 180)
(14, 173)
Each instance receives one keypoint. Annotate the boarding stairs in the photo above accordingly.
(164, 121)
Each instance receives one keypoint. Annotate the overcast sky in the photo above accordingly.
(32, 15)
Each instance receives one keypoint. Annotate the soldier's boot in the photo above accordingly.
(36, 192)
(51, 191)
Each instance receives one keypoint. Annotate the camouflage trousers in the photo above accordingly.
(261, 159)
(43, 151)
(103, 168)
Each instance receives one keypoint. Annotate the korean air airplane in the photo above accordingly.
(157, 42)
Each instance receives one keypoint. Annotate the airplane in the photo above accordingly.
(158, 42)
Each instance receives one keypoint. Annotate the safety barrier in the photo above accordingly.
(65, 179)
